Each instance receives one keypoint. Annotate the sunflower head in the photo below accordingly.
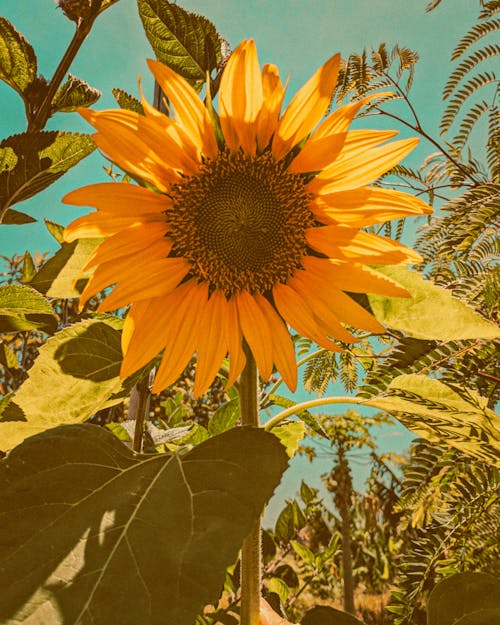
(233, 240)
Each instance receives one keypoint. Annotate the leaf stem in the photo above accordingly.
(37, 123)
(251, 549)
(312, 403)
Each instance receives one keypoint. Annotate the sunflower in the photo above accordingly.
(246, 221)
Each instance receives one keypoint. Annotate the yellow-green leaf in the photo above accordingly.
(431, 313)
(22, 308)
(18, 65)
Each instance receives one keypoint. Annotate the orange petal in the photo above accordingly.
(343, 243)
(368, 206)
(361, 167)
(132, 240)
(234, 340)
(256, 331)
(306, 108)
(296, 312)
(282, 345)
(162, 277)
(353, 277)
(192, 115)
(241, 97)
(183, 332)
(273, 93)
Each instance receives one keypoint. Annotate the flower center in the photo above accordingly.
(241, 222)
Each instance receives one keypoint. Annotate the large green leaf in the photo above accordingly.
(43, 157)
(325, 615)
(185, 41)
(463, 595)
(56, 277)
(74, 93)
(92, 533)
(431, 313)
(442, 413)
(18, 65)
(22, 308)
(74, 375)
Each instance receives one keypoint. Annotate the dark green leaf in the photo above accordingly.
(74, 93)
(74, 375)
(186, 42)
(290, 521)
(56, 277)
(307, 493)
(22, 308)
(431, 313)
(324, 615)
(10, 217)
(127, 101)
(90, 532)
(480, 617)
(461, 594)
(18, 64)
(42, 158)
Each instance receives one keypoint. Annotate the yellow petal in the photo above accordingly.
(273, 93)
(368, 206)
(282, 345)
(256, 331)
(241, 97)
(211, 347)
(306, 108)
(343, 243)
(340, 119)
(360, 167)
(296, 312)
(192, 115)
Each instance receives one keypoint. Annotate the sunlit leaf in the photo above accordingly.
(28, 269)
(74, 375)
(43, 157)
(186, 42)
(74, 93)
(61, 276)
(443, 413)
(18, 64)
(55, 229)
(127, 101)
(225, 417)
(431, 313)
(90, 532)
(7, 357)
(22, 308)
(290, 433)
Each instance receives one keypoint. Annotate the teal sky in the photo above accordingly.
(296, 35)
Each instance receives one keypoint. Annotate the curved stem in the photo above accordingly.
(251, 549)
(312, 403)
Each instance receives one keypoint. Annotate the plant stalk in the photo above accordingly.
(251, 550)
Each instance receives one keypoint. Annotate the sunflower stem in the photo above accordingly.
(251, 549)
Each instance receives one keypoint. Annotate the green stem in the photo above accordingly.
(312, 403)
(251, 549)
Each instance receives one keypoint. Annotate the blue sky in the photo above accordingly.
(297, 35)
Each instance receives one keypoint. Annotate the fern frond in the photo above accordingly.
(469, 121)
(462, 95)
(432, 5)
(489, 9)
(493, 145)
(475, 34)
(469, 64)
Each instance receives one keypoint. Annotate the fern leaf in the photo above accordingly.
(461, 96)
(469, 64)
(469, 121)
(475, 34)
